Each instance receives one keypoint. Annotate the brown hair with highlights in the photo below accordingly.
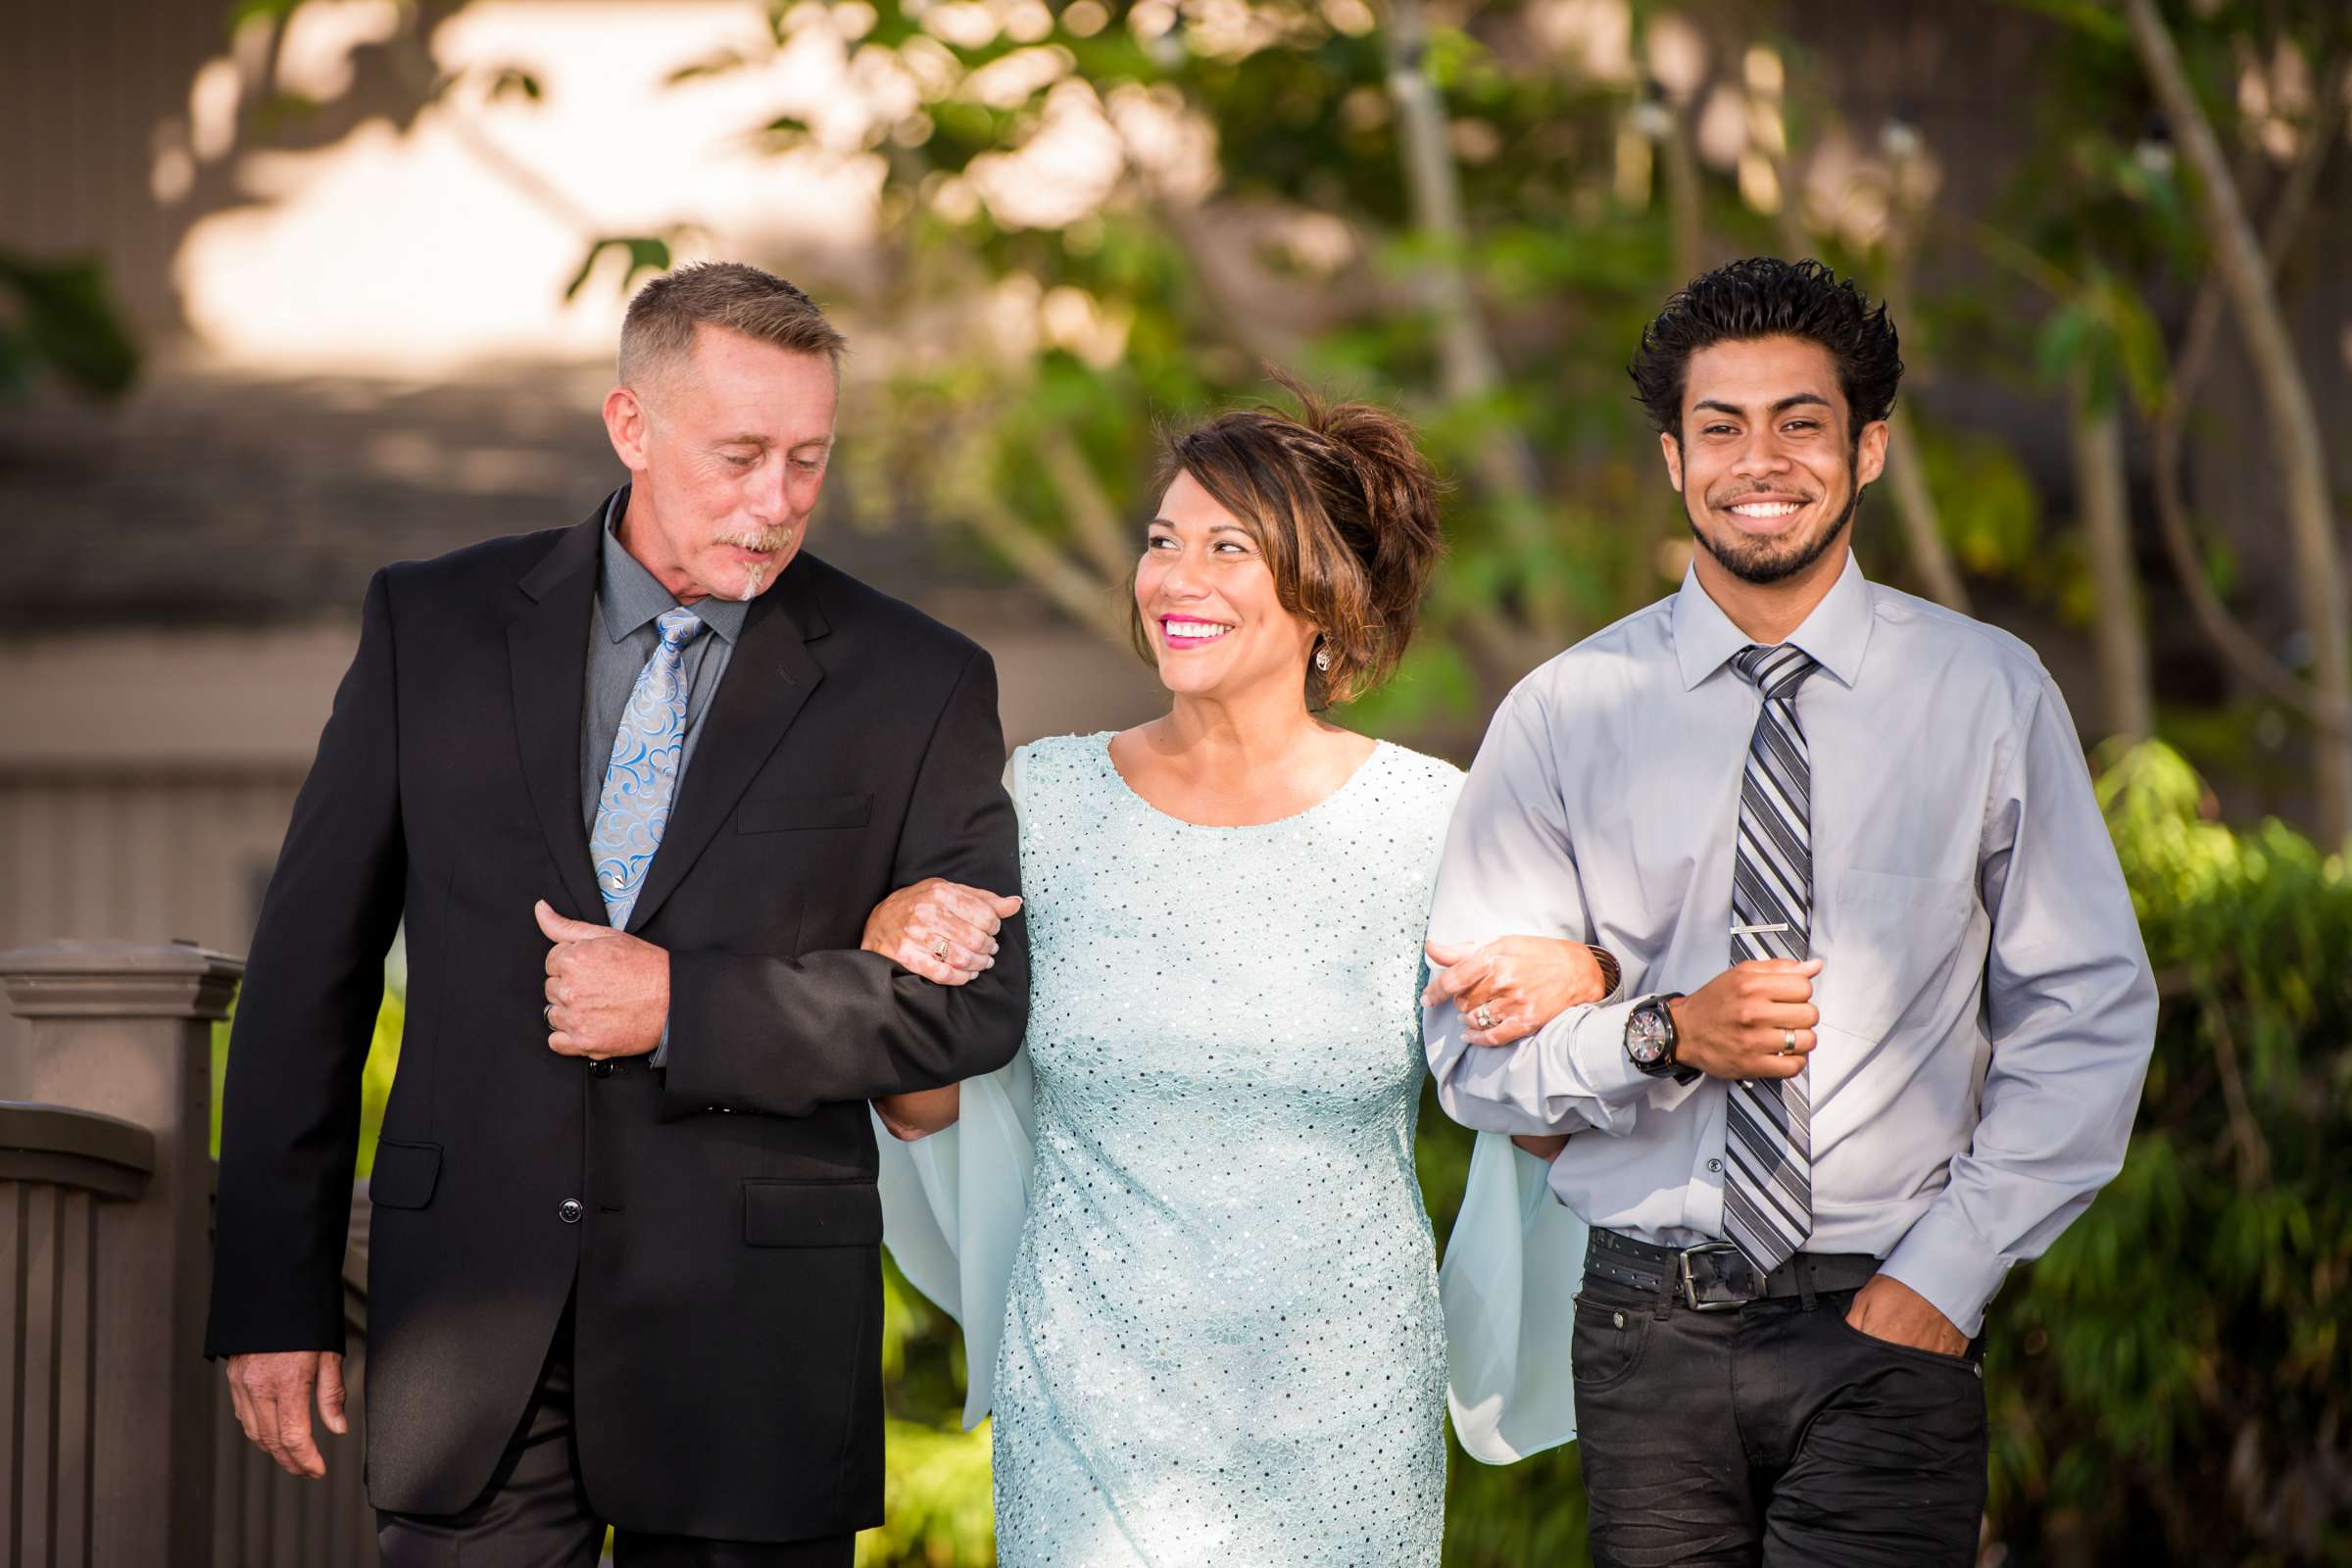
(658, 334)
(1345, 510)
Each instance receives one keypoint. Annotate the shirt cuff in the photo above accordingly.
(1586, 1050)
(1941, 1260)
(660, 1055)
(1610, 970)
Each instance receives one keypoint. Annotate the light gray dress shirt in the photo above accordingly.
(1986, 1004)
(621, 637)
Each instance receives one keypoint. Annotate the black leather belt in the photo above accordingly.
(1715, 1277)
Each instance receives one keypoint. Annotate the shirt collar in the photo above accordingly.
(1836, 633)
(632, 596)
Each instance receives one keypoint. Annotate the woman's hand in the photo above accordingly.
(921, 1112)
(1546, 1146)
(1521, 984)
(944, 931)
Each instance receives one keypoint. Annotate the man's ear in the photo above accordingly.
(624, 426)
(1870, 453)
(1673, 448)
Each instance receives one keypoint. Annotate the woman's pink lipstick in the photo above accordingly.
(1180, 641)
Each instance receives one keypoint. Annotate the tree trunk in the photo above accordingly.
(1915, 509)
(2292, 420)
(1685, 226)
(2166, 433)
(1469, 367)
(1906, 477)
(1906, 480)
(2095, 428)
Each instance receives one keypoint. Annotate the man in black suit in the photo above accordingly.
(623, 1266)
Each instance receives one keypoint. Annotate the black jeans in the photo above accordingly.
(535, 1512)
(1773, 1435)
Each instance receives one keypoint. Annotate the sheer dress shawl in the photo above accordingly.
(953, 1206)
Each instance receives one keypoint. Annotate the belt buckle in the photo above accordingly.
(1689, 1285)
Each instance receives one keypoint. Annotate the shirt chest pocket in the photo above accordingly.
(1891, 943)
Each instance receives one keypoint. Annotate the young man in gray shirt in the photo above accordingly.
(1885, 1009)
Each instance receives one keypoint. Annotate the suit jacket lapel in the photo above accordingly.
(546, 656)
(770, 678)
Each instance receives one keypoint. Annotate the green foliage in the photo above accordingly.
(2171, 1383)
(941, 1514)
(2107, 329)
(646, 253)
(60, 316)
(1295, 241)
(1986, 503)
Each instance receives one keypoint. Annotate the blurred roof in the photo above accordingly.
(206, 499)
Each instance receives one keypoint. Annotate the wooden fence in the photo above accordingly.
(118, 1445)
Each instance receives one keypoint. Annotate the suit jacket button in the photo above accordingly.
(602, 1069)
(570, 1211)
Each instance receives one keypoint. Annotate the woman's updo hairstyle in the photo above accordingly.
(1342, 506)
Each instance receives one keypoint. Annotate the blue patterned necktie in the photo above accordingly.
(1768, 1131)
(642, 778)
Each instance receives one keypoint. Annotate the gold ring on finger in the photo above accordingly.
(1788, 1043)
(939, 947)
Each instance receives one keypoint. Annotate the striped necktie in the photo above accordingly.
(1768, 1131)
(641, 780)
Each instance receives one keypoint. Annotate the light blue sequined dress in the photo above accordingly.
(1223, 1342)
(1182, 1231)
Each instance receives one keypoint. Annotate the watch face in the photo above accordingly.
(1645, 1035)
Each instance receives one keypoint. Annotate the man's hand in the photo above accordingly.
(944, 931)
(1887, 1309)
(273, 1396)
(1753, 1021)
(608, 993)
(1522, 982)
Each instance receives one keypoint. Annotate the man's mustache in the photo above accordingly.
(762, 542)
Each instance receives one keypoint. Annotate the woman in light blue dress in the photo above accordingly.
(1183, 1231)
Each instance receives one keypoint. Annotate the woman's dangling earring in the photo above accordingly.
(1323, 658)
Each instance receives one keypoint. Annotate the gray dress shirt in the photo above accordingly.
(621, 637)
(1987, 1006)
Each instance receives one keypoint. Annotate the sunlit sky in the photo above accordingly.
(415, 251)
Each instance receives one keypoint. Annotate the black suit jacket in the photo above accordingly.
(719, 1220)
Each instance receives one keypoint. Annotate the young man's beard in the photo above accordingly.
(1757, 564)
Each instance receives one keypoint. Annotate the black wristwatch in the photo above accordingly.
(1649, 1038)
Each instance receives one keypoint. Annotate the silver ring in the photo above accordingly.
(1788, 1043)
(939, 947)
(547, 1011)
(1483, 1017)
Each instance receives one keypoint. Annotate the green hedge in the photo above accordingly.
(2170, 1382)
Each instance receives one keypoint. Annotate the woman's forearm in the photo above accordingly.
(921, 1113)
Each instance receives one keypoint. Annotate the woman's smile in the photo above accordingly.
(1178, 633)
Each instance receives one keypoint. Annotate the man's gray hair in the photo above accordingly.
(658, 334)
